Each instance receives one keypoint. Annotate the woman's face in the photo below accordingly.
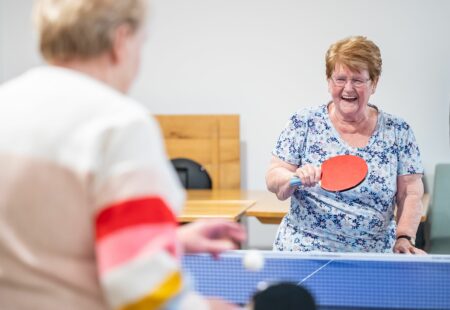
(350, 90)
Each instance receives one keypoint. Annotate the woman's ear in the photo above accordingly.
(374, 86)
(119, 49)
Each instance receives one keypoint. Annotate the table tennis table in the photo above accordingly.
(337, 281)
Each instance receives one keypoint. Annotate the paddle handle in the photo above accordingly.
(295, 181)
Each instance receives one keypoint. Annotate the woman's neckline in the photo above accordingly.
(338, 135)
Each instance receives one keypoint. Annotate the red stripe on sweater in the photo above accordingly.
(147, 210)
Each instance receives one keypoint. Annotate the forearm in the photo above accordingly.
(409, 213)
(277, 181)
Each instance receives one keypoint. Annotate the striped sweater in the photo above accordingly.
(87, 199)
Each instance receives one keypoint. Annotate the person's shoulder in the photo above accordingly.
(128, 105)
(16, 83)
(100, 98)
(125, 112)
(395, 122)
(307, 113)
(95, 102)
(307, 116)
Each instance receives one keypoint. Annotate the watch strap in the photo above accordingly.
(409, 238)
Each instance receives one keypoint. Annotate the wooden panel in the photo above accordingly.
(185, 126)
(229, 150)
(230, 175)
(211, 140)
(196, 148)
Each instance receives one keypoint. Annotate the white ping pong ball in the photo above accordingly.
(253, 260)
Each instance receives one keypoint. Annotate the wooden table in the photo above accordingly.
(233, 204)
(201, 209)
(225, 204)
(269, 210)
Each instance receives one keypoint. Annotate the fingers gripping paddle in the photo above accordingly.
(340, 173)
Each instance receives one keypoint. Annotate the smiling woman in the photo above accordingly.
(361, 219)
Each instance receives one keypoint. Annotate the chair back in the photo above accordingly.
(440, 211)
(191, 174)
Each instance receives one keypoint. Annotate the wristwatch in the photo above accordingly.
(411, 240)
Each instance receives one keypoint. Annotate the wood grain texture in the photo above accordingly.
(211, 140)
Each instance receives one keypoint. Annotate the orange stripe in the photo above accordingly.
(167, 290)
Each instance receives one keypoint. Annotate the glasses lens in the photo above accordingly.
(342, 81)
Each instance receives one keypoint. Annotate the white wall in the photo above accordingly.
(264, 59)
(2, 35)
(17, 43)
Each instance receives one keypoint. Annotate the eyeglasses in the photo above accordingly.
(341, 81)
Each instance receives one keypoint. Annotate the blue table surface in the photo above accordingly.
(337, 281)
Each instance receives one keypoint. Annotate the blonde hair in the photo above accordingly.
(83, 29)
(356, 53)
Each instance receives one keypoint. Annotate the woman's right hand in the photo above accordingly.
(308, 174)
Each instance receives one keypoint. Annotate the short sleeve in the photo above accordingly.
(409, 161)
(290, 144)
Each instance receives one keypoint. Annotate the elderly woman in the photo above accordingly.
(88, 197)
(361, 219)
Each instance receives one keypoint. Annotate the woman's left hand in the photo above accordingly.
(213, 236)
(403, 246)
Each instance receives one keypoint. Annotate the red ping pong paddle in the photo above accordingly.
(340, 173)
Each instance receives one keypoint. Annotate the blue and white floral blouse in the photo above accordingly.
(357, 220)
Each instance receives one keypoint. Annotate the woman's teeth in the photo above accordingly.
(348, 98)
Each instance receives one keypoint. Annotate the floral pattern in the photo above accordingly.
(357, 220)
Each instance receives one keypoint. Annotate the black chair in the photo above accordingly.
(192, 175)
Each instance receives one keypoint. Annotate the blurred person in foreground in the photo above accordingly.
(87, 195)
(361, 219)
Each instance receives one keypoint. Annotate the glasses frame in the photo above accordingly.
(356, 83)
